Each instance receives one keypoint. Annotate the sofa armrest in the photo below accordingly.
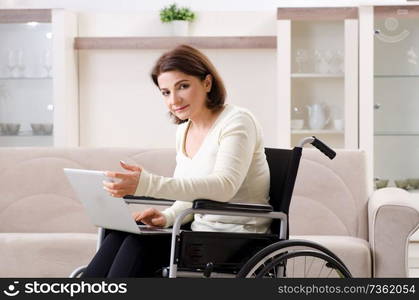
(393, 216)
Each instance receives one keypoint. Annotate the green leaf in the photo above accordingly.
(173, 12)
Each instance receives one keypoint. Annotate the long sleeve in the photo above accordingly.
(237, 141)
(174, 210)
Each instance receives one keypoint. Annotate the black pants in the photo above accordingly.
(125, 254)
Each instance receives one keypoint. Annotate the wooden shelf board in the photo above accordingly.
(317, 13)
(25, 15)
(203, 42)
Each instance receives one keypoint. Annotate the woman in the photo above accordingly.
(220, 156)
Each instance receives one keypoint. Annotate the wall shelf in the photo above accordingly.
(203, 42)
(25, 15)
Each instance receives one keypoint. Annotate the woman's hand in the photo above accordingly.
(151, 217)
(127, 183)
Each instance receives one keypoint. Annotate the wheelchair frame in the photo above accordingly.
(200, 206)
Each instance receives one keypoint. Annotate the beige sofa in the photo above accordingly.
(44, 231)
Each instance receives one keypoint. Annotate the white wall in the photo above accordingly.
(205, 5)
(225, 23)
(119, 105)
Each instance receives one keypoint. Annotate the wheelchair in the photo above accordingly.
(249, 255)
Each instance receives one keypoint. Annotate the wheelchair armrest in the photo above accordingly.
(226, 206)
(130, 199)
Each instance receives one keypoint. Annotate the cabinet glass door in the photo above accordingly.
(26, 91)
(396, 97)
(323, 74)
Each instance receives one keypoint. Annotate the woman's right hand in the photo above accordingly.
(150, 216)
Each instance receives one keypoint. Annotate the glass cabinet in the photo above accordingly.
(396, 96)
(318, 74)
(26, 106)
(37, 89)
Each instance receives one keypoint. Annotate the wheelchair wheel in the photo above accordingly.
(294, 258)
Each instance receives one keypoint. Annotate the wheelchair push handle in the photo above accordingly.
(323, 148)
(319, 145)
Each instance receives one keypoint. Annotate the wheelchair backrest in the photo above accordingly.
(283, 168)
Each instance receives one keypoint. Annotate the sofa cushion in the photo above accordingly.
(330, 196)
(35, 195)
(354, 252)
(44, 254)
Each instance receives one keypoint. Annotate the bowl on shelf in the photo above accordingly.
(42, 128)
(36, 128)
(381, 183)
(9, 128)
(402, 183)
(413, 183)
(297, 124)
(3, 128)
(47, 128)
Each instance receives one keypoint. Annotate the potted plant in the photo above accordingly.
(179, 17)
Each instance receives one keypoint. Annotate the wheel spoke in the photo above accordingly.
(311, 264)
(330, 272)
(321, 268)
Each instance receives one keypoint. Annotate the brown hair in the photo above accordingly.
(193, 62)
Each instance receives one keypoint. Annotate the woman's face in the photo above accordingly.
(184, 94)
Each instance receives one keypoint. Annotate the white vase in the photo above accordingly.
(180, 28)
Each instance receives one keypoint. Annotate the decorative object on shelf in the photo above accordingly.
(36, 128)
(402, 183)
(301, 58)
(15, 63)
(42, 128)
(21, 64)
(318, 60)
(11, 63)
(297, 118)
(317, 116)
(46, 62)
(179, 17)
(336, 114)
(328, 61)
(413, 183)
(47, 128)
(297, 124)
(338, 124)
(380, 183)
(9, 128)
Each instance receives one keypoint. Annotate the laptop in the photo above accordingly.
(104, 210)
